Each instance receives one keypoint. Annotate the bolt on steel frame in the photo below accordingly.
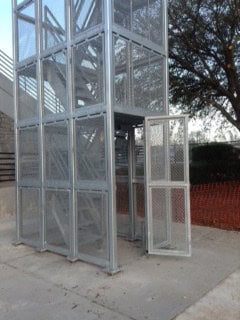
(82, 67)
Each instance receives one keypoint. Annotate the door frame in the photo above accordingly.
(168, 185)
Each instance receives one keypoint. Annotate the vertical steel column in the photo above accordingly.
(166, 141)
(147, 191)
(39, 76)
(15, 54)
(187, 180)
(166, 125)
(73, 215)
(131, 197)
(112, 223)
(165, 46)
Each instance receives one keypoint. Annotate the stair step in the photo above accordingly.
(7, 155)
(7, 166)
(7, 176)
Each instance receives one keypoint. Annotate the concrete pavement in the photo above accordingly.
(46, 286)
(223, 302)
(7, 199)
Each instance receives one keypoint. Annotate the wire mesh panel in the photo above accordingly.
(169, 230)
(122, 13)
(122, 188)
(156, 21)
(29, 214)
(139, 152)
(28, 154)
(139, 188)
(139, 195)
(122, 69)
(145, 18)
(56, 151)
(26, 23)
(139, 14)
(53, 23)
(139, 77)
(160, 223)
(86, 14)
(121, 153)
(57, 218)
(167, 186)
(55, 83)
(88, 73)
(90, 149)
(159, 170)
(171, 154)
(122, 202)
(176, 149)
(148, 85)
(27, 93)
(92, 224)
(157, 71)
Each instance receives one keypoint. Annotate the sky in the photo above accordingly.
(6, 26)
(6, 46)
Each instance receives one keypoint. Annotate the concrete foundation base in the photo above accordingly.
(46, 286)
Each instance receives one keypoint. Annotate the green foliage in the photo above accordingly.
(214, 162)
(204, 51)
(214, 152)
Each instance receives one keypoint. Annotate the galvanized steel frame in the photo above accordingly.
(69, 116)
(168, 185)
(108, 28)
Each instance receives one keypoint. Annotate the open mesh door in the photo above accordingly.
(167, 186)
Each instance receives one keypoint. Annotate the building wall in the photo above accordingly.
(6, 133)
(7, 200)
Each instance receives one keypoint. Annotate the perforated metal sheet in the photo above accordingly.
(139, 77)
(172, 152)
(122, 76)
(56, 151)
(148, 88)
(29, 211)
(27, 93)
(169, 230)
(29, 154)
(53, 23)
(122, 13)
(88, 73)
(139, 191)
(86, 14)
(26, 32)
(168, 186)
(121, 153)
(57, 218)
(122, 199)
(139, 152)
(90, 149)
(55, 83)
(158, 151)
(160, 217)
(156, 21)
(92, 224)
(144, 18)
(176, 149)
(122, 187)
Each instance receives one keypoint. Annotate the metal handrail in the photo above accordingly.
(6, 65)
(51, 102)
